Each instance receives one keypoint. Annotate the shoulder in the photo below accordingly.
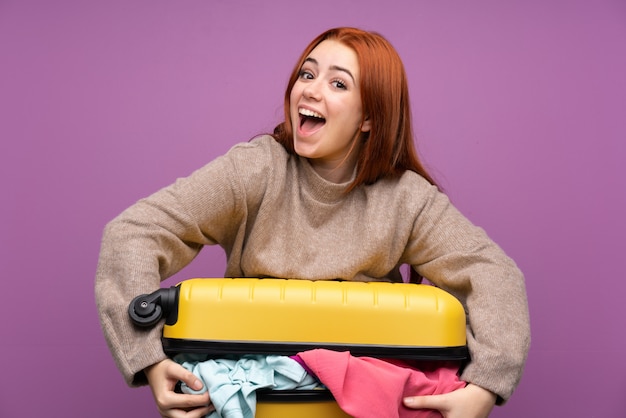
(410, 197)
(258, 165)
(410, 188)
(257, 158)
(259, 149)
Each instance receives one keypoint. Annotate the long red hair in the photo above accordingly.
(388, 149)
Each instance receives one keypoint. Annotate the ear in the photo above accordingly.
(366, 125)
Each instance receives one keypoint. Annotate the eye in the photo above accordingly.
(339, 84)
(306, 75)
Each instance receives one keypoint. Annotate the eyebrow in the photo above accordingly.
(333, 67)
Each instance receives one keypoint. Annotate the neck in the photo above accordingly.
(333, 172)
(339, 170)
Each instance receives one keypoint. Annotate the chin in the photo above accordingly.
(303, 150)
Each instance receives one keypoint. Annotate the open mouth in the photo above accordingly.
(310, 121)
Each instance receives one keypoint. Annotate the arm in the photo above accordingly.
(460, 258)
(151, 241)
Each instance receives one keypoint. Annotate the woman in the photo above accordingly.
(336, 192)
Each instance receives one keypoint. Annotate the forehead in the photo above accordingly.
(332, 54)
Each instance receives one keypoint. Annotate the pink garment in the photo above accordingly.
(367, 387)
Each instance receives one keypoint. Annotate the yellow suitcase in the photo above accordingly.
(278, 316)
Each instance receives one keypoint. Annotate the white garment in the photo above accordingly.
(232, 382)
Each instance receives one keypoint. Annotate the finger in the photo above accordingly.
(186, 401)
(200, 412)
(181, 413)
(193, 413)
(178, 372)
(437, 402)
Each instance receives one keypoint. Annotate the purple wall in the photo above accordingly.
(520, 107)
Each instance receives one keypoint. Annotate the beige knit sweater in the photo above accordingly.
(275, 217)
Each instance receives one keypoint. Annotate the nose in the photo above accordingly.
(312, 90)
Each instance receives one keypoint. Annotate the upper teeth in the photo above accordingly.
(307, 112)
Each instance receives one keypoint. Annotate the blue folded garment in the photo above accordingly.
(232, 382)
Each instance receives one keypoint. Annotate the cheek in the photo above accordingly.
(358, 112)
(296, 92)
(293, 102)
(354, 115)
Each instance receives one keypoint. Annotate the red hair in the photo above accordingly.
(388, 149)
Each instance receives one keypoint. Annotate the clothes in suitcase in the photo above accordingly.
(241, 316)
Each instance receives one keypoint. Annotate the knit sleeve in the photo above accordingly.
(459, 257)
(151, 241)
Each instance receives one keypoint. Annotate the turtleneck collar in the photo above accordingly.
(319, 188)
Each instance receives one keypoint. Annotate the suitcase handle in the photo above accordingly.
(146, 310)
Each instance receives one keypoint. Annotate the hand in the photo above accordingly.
(163, 377)
(470, 402)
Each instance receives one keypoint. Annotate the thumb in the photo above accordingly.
(425, 402)
(179, 372)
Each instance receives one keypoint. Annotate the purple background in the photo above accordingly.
(520, 107)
